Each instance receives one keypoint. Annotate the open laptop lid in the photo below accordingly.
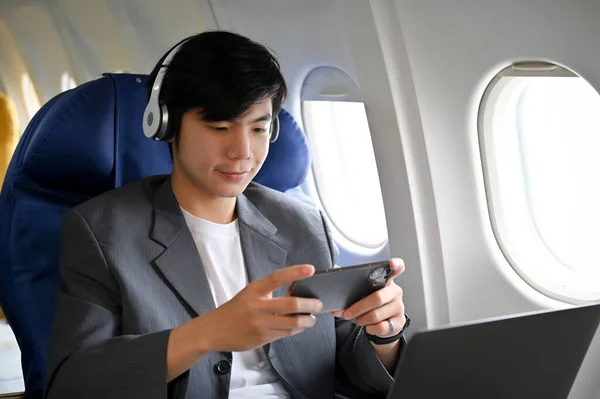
(535, 355)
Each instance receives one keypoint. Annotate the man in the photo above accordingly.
(175, 286)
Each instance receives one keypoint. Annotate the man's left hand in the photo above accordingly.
(375, 310)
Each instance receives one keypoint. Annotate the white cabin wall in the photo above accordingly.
(126, 35)
(12, 68)
(455, 49)
(39, 44)
(152, 27)
(384, 73)
(429, 63)
(92, 37)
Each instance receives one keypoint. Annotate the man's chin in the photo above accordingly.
(233, 190)
(229, 195)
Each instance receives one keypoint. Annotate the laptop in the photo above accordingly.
(535, 355)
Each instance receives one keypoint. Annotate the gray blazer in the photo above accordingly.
(130, 273)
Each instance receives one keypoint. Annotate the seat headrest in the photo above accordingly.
(91, 139)
(289, 160)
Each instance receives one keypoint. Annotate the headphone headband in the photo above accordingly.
(156, 115)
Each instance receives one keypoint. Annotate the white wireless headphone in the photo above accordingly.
(156, 115)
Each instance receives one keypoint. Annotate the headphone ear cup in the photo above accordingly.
(163, 131)
(173, 122)
(152, 120)
(274, 129)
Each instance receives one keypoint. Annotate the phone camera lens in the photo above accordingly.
(377, 273)
(378, 276)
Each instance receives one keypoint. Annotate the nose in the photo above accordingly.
(239, 145)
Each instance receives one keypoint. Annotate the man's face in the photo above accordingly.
(221, 158)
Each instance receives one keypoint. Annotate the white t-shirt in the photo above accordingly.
(220, 249)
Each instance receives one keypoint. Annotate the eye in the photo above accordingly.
(260, 130)
(219, 128)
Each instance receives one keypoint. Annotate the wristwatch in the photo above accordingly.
(382, 341)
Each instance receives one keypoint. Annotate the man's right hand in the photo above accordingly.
(249, 320)
(254, 318)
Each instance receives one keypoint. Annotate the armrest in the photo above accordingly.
(13, 395)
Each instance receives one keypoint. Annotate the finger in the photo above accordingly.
(382, 329)
(398, 267)
(282, 277)
(292, 305)
(337, 313)
(390, 310)
(279, 322)
(373, 301)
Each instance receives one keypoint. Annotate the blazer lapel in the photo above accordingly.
(261, 254)
(180, 263)
(262, 258)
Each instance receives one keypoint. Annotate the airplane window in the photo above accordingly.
(344, 165)
(67, 82)
(540, 130)
(32, 102)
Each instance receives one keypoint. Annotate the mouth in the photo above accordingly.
(233, 176)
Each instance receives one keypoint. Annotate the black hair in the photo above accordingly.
(223, 74)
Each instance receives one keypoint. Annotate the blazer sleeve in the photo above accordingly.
(357, 360)
(88, 358)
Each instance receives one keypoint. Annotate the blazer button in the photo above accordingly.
(223, 367)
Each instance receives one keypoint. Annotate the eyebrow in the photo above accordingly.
(266, 117)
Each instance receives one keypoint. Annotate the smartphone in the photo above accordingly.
(340, 288)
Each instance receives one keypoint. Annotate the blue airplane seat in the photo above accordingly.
(289, 160)
(80, 144)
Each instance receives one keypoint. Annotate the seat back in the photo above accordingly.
(82, 143)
